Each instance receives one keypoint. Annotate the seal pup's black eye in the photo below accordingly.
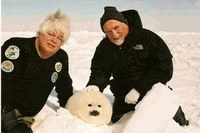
(89, 105)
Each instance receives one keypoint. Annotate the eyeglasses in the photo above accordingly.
(56, 37)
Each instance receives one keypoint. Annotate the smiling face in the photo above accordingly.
(48, 43)
(116, 31)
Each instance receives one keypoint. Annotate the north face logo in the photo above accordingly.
(138, 47)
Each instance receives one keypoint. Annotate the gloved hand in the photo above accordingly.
(132, 97)
(91, 88)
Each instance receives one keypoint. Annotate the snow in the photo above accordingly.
(155, 111)
(64, 122)
(185, 47)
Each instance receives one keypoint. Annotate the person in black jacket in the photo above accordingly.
(30, 69)
(131, 60)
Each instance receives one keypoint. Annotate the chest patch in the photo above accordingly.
(58, 67)
(54, 77)
(12, 52)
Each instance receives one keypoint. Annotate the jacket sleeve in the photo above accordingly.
(100, 68)
(159, 67)
(64, 87)
(11, 60)
(10, 68)
(11, 51)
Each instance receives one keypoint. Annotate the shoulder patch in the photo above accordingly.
(7, 66)
(12, 52)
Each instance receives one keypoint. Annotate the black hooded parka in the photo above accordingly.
(141, 61)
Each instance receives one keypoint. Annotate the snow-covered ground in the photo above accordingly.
(185, 48)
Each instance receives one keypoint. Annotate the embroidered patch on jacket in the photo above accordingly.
(58, 67)
(54, 77)
(7, 66)
(12, 52)
(138, 47)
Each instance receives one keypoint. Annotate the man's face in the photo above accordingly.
(116, 31)
(50, 42)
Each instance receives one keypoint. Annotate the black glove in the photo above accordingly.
(8, 118)
(180, 117)
(10, 123)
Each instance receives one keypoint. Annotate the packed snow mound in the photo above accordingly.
(152, 115)
(64, 122)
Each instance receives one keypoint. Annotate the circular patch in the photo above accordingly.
(58, 67)
(12, 52)
(54, 77)
(7, 66)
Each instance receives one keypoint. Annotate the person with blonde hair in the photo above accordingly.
(30, 69)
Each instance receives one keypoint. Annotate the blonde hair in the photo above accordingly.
(57, 21)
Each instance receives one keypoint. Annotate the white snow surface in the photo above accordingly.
(185, 48)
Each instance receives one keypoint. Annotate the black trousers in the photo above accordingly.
(120, 108)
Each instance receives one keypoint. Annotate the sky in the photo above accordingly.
(156, 15)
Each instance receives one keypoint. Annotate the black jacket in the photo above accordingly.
(32, 79)
(141, 61)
